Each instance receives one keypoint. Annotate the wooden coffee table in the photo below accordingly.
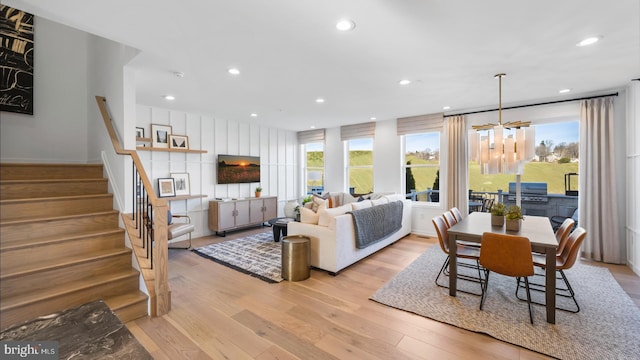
(280, 227)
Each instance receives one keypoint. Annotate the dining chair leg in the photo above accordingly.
(573, 294)
(484, 285)
(444, 266)
(526, 284)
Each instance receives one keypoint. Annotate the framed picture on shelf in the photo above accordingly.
(166, 187)
(160, 135)
(178, 142)
(139, 132)
(182, 183)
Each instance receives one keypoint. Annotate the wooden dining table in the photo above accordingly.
(536, 228)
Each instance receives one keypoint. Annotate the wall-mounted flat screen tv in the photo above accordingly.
(234, 169)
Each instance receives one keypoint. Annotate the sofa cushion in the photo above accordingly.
(361, 205)
(380, 201)
(328, 215)
(308, 216)
(395, 197)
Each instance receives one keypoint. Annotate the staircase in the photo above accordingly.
(60, 244)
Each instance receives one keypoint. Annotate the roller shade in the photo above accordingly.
(311, 136)
(420, 124)
(364, 130)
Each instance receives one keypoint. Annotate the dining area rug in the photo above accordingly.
(256, 255)
(607, 326)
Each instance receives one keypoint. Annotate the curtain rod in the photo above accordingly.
(528, 105)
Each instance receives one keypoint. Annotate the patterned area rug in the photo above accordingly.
(257, 255)
(607, 326)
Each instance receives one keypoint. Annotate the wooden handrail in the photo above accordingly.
(150, 223)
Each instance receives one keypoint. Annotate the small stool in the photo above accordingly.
(296, 257)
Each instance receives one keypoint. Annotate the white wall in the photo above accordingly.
(57, 131)
(277, 150)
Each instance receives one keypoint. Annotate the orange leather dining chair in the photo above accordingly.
(508, 255)
(456, 213)
(449, 219)
(562, 234)
(462, 252)
(564, 261)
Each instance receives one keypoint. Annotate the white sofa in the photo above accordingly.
(333, 247)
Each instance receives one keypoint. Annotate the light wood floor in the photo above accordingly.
(220, 313)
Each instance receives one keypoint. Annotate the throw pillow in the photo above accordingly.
(361, 205)
(317, 203)
(307, 216)
(326, 216)
(380, 201)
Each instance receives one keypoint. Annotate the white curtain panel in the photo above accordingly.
(598, 214)
(457, 164)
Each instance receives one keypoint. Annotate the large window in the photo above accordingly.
(556, 155)
(314, 167)
(360, 165)
(422, 166)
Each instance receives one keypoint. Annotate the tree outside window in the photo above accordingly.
(422, 164)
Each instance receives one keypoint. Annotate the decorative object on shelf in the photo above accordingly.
(178, 142)
(513, 143)
(182, 183)
(290, 208)
(258, 191)
(166, 187)
(160, 135)
(514, 218)
(497, 214)
(139, 132)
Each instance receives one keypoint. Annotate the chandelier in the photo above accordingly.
(503, 148)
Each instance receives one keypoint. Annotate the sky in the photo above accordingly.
(566, 132)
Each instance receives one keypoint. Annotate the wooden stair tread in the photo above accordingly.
(53, 239)
(53, 198)
(64, 262)
(52, 218)
(70, 287)
(118, 302)
(50, 181)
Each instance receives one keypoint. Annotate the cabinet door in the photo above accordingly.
(270, 208)
(255, 211)
(226, 215)
(242, 212)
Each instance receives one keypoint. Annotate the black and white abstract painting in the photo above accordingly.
(16, 60)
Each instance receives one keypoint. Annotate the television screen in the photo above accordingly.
(238, 169)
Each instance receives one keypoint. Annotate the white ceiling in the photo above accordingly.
(290, 53)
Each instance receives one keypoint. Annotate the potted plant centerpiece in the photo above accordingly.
(497, 214)
(258, 191)
(514, 218)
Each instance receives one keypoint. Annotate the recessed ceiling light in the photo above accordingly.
(345, 25)
(312, 126)
(169, 97)
(372, 118)
(179, 74)
(234, 71)
(564, 91)
(589, 41)
(254, 115)
(405, 82)
(319, 100)
(446, 107)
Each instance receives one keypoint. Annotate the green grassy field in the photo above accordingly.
(551, 173)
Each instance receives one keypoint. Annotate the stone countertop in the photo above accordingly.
(90, 331)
